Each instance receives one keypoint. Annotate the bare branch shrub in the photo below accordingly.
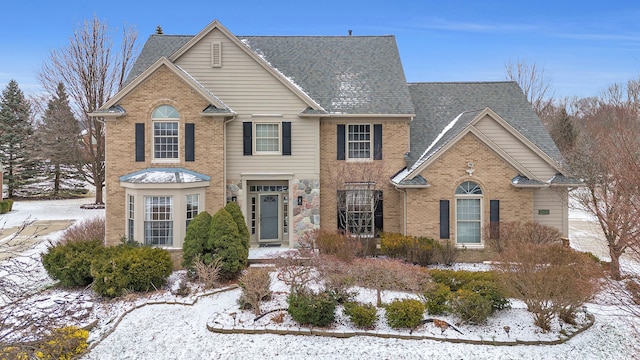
(256, 287)
(338, 277)
(340, 244)
(207, 274)
(449, 252)
(386, 274)
(515, 232)
(552, 280)
(90, 229)
(307, 242)
(296, 271)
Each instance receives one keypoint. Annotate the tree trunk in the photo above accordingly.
(615, 263)
(56, 180)
(99, 199)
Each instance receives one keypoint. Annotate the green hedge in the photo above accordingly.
(308, 308)
(406, 313)
(363, 316)
(130, 269)
(70, 263)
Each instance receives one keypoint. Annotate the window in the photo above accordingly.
(131, 222)
(165, 132)
(468, 213)
(267, 138)
(358, 209)
(158, 220)
(359, 142)
(192, 207)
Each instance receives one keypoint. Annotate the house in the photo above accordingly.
(270, 121)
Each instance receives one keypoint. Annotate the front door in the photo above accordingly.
(269, 217)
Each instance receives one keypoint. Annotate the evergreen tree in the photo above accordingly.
(59, 139)
(234, 209)
(16, 138)
(196, 240)
(226, 243)
(563, 131)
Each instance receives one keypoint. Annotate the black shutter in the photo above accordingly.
(341, 140)
(189, 142)
(378, 219)
(286, 138)
(342, 209)
(444, 219)
(247, 137)
(139, 141)
(494, 219)
(377, 142)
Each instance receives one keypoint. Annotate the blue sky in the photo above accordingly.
(583, 45)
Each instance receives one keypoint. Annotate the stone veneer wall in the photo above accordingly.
(306, 216)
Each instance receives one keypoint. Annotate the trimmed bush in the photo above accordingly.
(130, 269)
(457, 280)
(490, 290)
(406, 313)
(341, 245)
(363, 316)
(436, 299)
(226, 244)
(196, 239)
(424, 250)
(470, 306)
(4, 207)
(395, 245)
(70, 263)
(10, 201)
(308, 308)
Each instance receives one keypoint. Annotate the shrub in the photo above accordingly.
(363, 316)
(550, 279)
(90, 229)
(70, 263)
(385, 274)
(470, 306)
(256, 287)
(195, 241)
(308, 308)
(338, 278)
(10, 202)
(341, 245)
(406, 313)
(436, 299)
(4, 207)
(448, 252)
(130, 269)
(395, 245)
(490, 290)
(207, 274)
(457, 280)
(226, 243)
(64, 343)
(515, 232)
(424, 250)
(236, 213)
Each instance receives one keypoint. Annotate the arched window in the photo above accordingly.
(468, 214)
(166, 122)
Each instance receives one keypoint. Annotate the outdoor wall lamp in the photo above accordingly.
(299, 200)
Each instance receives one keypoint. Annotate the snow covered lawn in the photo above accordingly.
(146, 327)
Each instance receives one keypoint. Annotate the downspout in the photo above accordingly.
(224, 158)
(404, 209)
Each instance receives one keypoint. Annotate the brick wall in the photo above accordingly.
(162, 87)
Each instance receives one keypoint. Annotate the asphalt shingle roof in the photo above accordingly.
(438, 104)
(344, 74)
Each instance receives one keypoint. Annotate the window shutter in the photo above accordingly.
(377, 142)
(341, 140)
(378, 219)
(216, 54)
(494, 219)
(247, 132)
(139, 141)
(286, 138)
(342, 209)
(444, 219)
(189, 143)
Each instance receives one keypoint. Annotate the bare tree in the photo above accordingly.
(359, 195)
(606, 158)
(92, 70)
(534, 83)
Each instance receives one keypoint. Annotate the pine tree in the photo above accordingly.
(563, 131)
(58, 137)
(226, 243)
(16, 138)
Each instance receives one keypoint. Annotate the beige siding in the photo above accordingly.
(249, 89)
(515, 148)
(554, 200)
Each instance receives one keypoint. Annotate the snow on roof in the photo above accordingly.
(164, 176)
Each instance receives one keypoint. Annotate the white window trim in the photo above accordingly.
(479, 197)
(172, 219)
(255, 137)
(153, 143)
(372, 211)
(346, 143)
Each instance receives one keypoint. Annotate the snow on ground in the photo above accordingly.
(179, 331)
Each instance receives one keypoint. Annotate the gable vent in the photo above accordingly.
(216, 54)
